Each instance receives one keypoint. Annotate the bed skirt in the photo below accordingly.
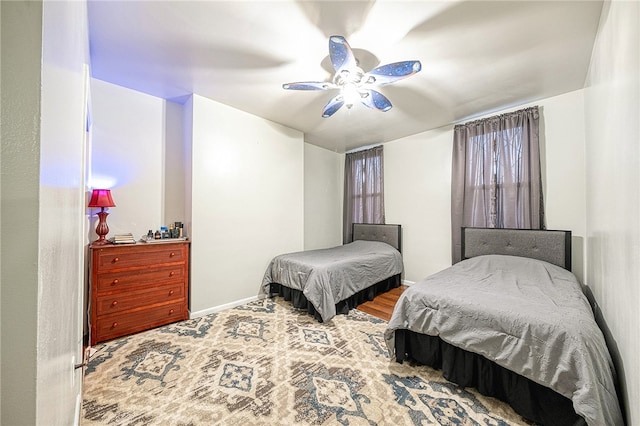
(299, 301)
(531, 400)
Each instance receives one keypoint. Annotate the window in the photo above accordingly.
(496, 181)
(498, 170)
(363, 189)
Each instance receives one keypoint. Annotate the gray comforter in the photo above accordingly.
(528, 316)
(328, 276)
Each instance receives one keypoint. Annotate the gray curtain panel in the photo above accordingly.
(496, 180)
(363, 189)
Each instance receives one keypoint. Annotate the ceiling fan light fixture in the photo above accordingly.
(350, 94)
(355, 84)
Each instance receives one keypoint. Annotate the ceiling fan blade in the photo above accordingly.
(387, 74)
(340, 53)
(309, 85)
(332, 106)
(375, 100)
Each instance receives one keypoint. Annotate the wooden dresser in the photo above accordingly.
(137, 287)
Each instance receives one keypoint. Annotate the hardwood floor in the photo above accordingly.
(382, 305)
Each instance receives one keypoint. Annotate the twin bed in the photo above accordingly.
(332, 281)
(510, 320)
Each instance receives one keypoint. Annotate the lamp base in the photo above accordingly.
(102, 229)
(101, 242)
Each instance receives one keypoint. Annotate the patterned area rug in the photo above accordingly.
(265, 363)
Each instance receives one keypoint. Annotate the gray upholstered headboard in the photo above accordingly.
(390, 234)
(550, 246)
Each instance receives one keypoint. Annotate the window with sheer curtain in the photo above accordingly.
(363, 189)
(496, 179)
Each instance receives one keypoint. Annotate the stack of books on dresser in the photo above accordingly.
(123, 239)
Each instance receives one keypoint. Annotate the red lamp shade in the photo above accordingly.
(101, 198)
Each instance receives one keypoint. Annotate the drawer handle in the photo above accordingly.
(172, 254)
(171, 273)
(114, 303)
(171, 293)
(171, 312)
(114, 325)
(115, 259)
(114, 282)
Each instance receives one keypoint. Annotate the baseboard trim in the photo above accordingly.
(224, 307)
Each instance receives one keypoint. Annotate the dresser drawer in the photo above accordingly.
(139, 279)
(140, 256)
(118, 302)
(111, 326)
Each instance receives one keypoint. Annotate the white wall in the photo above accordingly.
(418, 184)
(21, 68)
(251, 167)
(323, 188)
(128, 156)
(246, 201)
(61, 210)
(174, 168)
(613, 190)
(417, 195)
(563, 164)
(42, 209)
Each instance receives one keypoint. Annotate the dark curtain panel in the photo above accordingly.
(496, 180)
(363, 190)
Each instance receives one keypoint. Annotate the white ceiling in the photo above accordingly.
(477, 57)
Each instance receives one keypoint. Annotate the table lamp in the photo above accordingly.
(101, 198)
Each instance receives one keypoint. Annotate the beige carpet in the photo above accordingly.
(265, 363)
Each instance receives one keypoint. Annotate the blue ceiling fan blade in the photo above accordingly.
(309, 85)
(387, 74)
(340, 53)
(375, 100)
(332, 106)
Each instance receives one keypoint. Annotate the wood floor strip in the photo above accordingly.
(382, 305)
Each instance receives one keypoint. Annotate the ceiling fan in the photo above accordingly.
(355, 84)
